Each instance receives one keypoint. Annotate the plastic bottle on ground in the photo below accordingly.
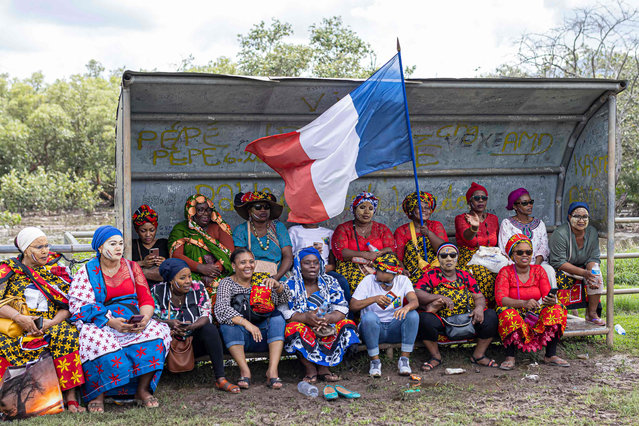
(619, 329)
(307, 389)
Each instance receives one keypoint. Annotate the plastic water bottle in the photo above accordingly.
(619, 329)
(596, 272)
(307, 389)
(371, 247)
(323, 309)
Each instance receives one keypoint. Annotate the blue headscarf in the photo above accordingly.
(170, 267)
(102, 234)
(575, 205)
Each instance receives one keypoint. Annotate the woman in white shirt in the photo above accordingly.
(523, 223)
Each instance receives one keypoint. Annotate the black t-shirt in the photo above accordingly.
(160, 243)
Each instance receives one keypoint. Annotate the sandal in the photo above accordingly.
(428, 365)
(507, 365)
(310, 379)
(224, 385)
(74, 407)
(150, 402)
(491, 363)
(596, 321)
(561, 363)
(244, 382)
(274, 383)
(96, 407)
(328, 377)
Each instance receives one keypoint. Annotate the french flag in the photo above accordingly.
(363, 132)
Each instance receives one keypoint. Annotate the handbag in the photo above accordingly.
(241, 302)
(31, 390)
(260, 265)
(459, 327)
(8, 326)
(180, 357)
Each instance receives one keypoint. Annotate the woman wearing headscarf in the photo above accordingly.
(33, 279)
(412, 237)
(530, 316)
(317, 327)
(203, 240)
(262, 233)
(122, 348)
(145, 224)
(358, 242)
(473, 230)
(523, 223)
(185, 306)
(574, 251)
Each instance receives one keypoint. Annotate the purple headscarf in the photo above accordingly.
(514, 196)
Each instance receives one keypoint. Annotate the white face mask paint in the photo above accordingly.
(576, 223)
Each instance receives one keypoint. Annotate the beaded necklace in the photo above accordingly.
(259, 241)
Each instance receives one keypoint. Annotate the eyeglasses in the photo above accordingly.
(578, 217)
(480, 197)
(447, 255)
(525, 203)
(522, 252)
(262, 206)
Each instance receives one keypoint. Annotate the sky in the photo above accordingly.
(453, 38)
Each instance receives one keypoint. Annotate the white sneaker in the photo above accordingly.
(404, 366)
(376, 368)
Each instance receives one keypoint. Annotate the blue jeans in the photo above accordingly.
(374, 332)
(272, 330)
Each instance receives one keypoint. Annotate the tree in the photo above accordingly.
(595, 42)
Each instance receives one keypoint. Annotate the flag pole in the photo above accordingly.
(412, 147)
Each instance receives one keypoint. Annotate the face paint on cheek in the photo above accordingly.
(577, 223)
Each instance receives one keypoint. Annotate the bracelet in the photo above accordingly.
(15, 316)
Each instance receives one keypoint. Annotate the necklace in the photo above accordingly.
(110, 271)
(259, 241)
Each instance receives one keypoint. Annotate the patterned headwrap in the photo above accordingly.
(362, 197)
(514, 241)
(189, 212)
(514, 196)
(388, 262)
(410, 202)
(250, 197)
(145, 214)
(473, 188)
(447, 244)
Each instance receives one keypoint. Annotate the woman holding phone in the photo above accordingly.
(121, 348)
(529, 315)
(147, 250)
(184, 305)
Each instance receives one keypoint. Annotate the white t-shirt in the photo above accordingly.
(305, 237)
(370, 287)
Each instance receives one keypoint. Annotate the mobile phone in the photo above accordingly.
(135, 319)
(553, 291)
(154, 252)
(184, 324)
(39, 322)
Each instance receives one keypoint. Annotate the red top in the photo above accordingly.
(536, 287)
(402, 235)
(121, 285)
(434, 277)
(485, 236)
(344, 238)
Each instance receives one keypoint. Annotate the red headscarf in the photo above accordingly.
(145, 214)
(473, 188)
(515, 240)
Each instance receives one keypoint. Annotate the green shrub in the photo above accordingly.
(8, 218)
(47, 191)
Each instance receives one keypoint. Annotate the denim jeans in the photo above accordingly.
(374, 332)
(272, 330)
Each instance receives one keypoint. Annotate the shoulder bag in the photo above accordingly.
(8, 326)
(180, 357)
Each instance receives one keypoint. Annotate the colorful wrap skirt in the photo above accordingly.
(327, 351)
(485, 279)
(513, 330)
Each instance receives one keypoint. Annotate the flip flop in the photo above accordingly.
(330, 393)
(273, 382)
(328, 377)
(596, 321)
(246, 380)
(77, 408)
(428, 366)
(345, 393)
(557, 364)
(491, 363)
(310, 379)
(96, 407)
(507, 367)
(150, 402)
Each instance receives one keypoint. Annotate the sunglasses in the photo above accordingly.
(525, 203)
(262, 206)
(447, 255)
(522, 252)
(581, 217)
(480, 197)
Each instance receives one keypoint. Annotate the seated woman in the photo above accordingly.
(411, 238)
(574, 251)
(475, 229)
(121, 348)
(149, 252)
(384, 319)
(203, 240)
(319, 338)
(40, 293)
(269, 240)
(238, 332)
(523, 223)
(524, 323)
(445, 291)
(185, 306)
(358, 242)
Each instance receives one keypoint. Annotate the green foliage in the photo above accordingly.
(47, 191)
(10, 219)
